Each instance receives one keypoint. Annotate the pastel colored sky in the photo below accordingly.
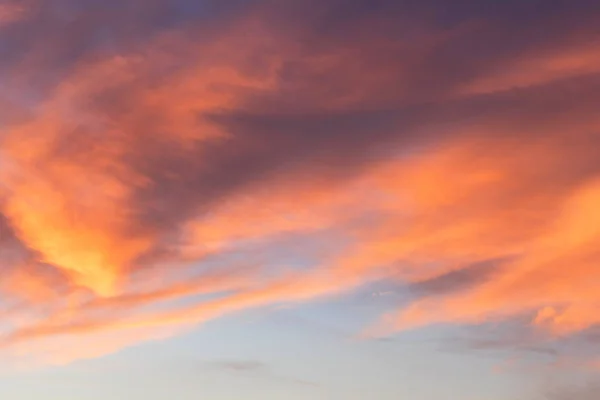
(299, 199)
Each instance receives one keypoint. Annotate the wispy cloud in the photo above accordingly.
(256, 369)
(153, 156)
(583, 392)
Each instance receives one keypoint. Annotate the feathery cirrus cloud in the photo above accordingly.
(149, 168)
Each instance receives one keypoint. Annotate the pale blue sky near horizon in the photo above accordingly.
(299, 352)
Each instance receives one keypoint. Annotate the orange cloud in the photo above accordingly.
(537, 69)
(154, 183)
(497, 208)
(12, 11)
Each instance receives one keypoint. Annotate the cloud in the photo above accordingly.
(11, 12)
(154, 156)
(257, 368)
(584, 392)
(457, 280)
(238, 366)
(493, 216)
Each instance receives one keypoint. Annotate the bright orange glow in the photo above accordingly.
(159, 188)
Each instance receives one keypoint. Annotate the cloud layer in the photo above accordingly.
(159, 162)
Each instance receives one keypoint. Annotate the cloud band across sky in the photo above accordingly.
(157, 160)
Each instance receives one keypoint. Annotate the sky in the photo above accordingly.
(299, 199)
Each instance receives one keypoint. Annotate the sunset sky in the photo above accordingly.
(299, 199)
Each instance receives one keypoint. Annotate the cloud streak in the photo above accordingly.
(150, 169)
